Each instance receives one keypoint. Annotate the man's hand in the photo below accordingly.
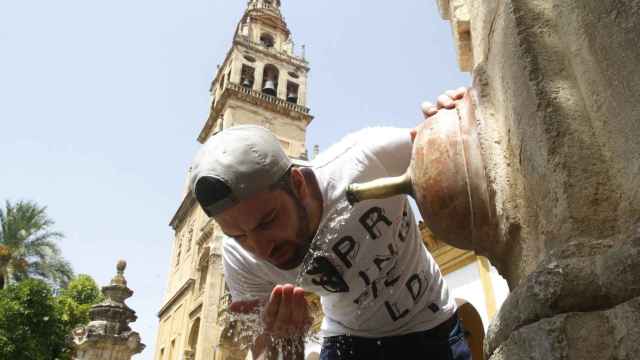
(445, 101)
(286, 315)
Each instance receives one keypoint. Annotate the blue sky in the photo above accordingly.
(101, 103)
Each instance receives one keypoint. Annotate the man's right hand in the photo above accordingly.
(286, 312)
(286, 315)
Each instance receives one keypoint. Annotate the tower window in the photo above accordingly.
(179, 251)
(292, 92)
(204, 272)
(247, 76)
(267, 40)
(213, 97)
(270, 80)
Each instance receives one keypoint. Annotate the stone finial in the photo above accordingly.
(119, 279)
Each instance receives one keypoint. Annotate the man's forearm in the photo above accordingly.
(267, 348)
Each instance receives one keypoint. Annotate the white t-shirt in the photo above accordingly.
(369, 265)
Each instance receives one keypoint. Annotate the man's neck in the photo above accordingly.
(315, 206)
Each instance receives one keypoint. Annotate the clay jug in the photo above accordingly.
(447, 179)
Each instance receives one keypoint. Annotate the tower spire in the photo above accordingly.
(264, 3)
(261, 69)
(266, 12)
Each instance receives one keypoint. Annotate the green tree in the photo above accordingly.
(34, 324)
(76, 300)
(30, 324)
(27, 246)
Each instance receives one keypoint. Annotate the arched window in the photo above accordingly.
(204, 273)
(247, 76)
(474, 328)
(270, 80)
(193, 337)
(267, 40)
(292, 92)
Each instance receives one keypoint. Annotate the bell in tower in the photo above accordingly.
(292, 92)
(270, 84)
(269, 88)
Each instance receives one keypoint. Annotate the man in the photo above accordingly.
(382, 293)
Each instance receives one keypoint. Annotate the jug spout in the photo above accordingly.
(380, 188)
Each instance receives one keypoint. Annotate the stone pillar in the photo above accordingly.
(108, 335)
(556, 90)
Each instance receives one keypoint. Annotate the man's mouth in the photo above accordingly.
(281, 255)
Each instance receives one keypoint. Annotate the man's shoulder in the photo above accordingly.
(364, 139)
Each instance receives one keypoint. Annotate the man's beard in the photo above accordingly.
(303, 234)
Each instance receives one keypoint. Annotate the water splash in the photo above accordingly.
(327, 232)
(244, 329)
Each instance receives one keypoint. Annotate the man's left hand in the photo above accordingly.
(445, 101)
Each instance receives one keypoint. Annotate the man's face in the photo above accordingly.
(272, 225)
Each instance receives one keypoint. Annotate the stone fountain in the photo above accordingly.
(108, 335)
(555, 103)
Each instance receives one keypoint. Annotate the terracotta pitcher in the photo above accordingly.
(446, 177)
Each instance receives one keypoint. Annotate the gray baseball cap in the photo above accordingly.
(235, 164)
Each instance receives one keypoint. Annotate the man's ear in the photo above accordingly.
(299, 183)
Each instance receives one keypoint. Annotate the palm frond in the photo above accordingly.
(28, 239)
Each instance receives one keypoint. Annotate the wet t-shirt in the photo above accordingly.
(367, 262)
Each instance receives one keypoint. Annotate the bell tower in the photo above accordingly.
(262, 81)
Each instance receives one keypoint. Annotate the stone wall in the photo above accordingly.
(556, 87)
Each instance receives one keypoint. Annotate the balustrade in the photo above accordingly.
(268, 98)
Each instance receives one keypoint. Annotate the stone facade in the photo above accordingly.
(261, 81)
(556, 90)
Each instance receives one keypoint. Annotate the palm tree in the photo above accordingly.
(28, 248)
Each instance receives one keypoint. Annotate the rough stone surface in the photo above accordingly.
(558, 90)
(557, 87)
(563, 284)
(610, 334)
